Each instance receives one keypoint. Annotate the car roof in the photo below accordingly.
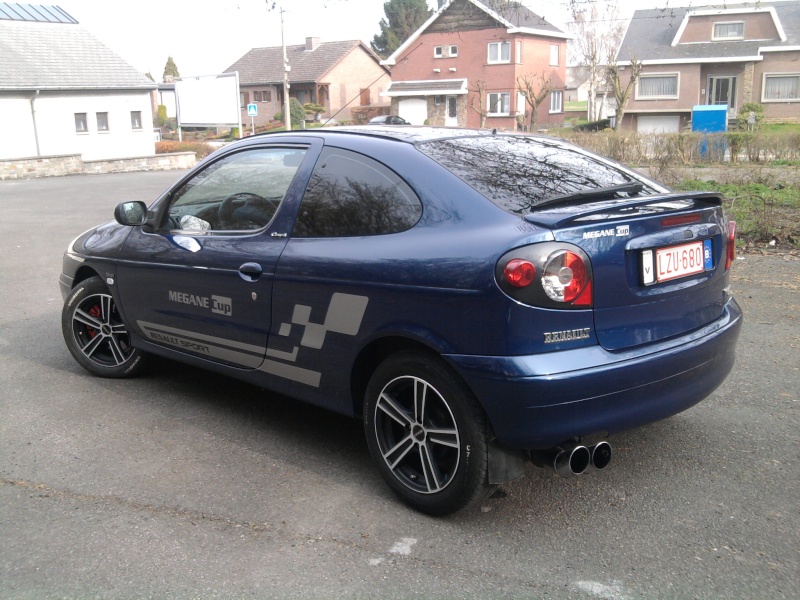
(412, 134)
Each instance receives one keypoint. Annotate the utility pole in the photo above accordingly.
(287, 115)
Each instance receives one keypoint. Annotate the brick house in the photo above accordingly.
(730, 54)
(336, 75)
(436, 72)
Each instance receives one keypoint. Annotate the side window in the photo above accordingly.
(352, 195)
(240, 192)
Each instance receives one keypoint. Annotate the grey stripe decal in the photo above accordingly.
(205, 345)
(343, 316)
(297, 374)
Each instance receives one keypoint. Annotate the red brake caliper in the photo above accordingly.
(96, 313)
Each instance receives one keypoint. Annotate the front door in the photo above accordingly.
(202, 283)
(722, 90)
(451, 118)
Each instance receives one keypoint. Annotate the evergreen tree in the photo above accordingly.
(170, 70)
(403, 17)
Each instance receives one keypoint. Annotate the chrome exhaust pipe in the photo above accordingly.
(565, 461)
(600, 455)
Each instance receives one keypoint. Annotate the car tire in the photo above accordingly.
(95, 334)
(427, 434)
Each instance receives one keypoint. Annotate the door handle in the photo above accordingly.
(250, 271)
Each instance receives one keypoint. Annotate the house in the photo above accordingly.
(578, 90)
(465, 60)
(62, 92)
(728, 55)
(339, 76)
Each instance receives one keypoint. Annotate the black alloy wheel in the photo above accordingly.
(427, 434)
(95, 333)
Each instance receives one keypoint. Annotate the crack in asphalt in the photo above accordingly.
(45, 491)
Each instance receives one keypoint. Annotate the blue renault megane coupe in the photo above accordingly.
(478, 299)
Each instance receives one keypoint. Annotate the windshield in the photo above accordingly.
(520, 172)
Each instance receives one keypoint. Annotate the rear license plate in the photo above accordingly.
(674, 262)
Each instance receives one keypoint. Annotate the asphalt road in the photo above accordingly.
(184, 484)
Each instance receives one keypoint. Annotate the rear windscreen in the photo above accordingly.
(518, 172)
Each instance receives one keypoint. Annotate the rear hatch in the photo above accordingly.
(658, 262)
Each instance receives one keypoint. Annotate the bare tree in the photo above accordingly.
(481, 109)
(535, 89)
(622, 91)
(598, 34)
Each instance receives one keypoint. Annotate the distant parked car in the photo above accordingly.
(477, 299)
(388, 120)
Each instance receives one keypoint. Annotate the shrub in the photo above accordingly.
(743, 119)
(201, 149)
(296, 111)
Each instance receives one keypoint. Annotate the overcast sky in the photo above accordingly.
(205, 38)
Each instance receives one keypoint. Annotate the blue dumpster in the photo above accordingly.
(711, 119)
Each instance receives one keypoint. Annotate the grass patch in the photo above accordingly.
(764, 214)
(780, 127)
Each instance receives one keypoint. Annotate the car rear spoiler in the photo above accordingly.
(559, 216)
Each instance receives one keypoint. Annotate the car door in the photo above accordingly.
(201, 283)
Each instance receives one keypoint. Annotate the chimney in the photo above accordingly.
(312, 43)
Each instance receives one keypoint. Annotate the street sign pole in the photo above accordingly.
(252, 112)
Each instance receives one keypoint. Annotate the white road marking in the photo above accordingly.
(403, 546)
(600, 590)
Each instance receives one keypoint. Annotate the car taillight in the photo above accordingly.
(547, 274)
(731, 254)
(519, 273)
(566, 279)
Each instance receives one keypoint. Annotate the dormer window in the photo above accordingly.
(733, 30)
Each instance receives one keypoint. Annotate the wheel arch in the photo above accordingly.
(372, 355)
(83, 273)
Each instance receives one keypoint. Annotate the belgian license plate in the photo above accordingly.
(674, 262)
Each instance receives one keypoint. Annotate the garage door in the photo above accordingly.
(658, 124)
(414, 110)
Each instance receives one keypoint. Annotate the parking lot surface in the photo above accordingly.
(185, 484)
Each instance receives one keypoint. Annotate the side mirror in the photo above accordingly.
(131, 213)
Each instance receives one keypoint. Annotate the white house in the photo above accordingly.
(62, 92)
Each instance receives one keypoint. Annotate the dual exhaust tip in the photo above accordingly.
(574, 460)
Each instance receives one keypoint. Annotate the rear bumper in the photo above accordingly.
(542, 400)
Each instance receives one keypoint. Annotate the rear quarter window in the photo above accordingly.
(352, 195)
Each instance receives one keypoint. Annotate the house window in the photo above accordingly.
(136, 119)
(81, 125)
(365, 101)
(556, 101)
(499, 104)
(652, 87)
(554, 55)
(445, 51)
(256, 96)
(102, 121)
(438, 100)
(782, 87)
(519, 52)
(729, 31)
(499, 52)
(266, 96)
(244, 99)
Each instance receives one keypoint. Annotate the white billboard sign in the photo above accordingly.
(208, 100)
